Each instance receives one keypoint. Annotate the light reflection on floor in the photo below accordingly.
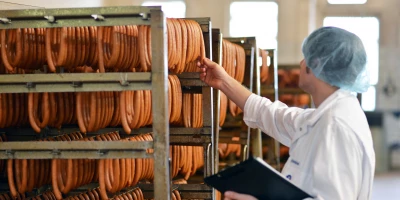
(386, 186)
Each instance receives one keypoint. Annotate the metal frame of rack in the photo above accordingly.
(271, 88)
(155, 81)
(217, 57)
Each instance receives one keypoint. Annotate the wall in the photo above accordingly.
(22, 4)
(389, 16)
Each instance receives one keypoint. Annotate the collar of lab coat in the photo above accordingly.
(325, 105)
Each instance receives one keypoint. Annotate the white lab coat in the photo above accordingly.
(331, 150)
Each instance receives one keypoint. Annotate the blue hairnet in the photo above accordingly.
(338, 58)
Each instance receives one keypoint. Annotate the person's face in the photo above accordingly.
(304, 79)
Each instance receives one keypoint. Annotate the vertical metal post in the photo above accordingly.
(160, 105)
(274, 61)
(217, 57)
(256, 140)
(250, 66)
(208, 121)
(209, 108)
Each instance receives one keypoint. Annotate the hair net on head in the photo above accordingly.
(337, 57)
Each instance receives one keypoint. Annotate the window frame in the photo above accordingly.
(166, 2)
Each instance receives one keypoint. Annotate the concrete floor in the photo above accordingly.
(386, 186)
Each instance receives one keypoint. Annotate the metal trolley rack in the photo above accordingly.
(155, 81)
(270, 89)
(233, 125)
(60, 82)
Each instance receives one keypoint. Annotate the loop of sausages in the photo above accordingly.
(185, 45)
(22, 49)
(95, 110)
(222, 108)
(144, 45)
(192, 110)
(63, 44)
(264, 66)
(23, 179)
(46, 109)
(176, 99)
(226, 149)
(186, 160)
(116, 174)
(39, 113)
(135, 109)
(233, 61)
(13, 110)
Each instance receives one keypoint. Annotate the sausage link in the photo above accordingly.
(79, 114)
(45, 110)
(16, 110)
(7, 65)
(10, 175)
(61, 109)
(69, 182)
(142, 48)
(10, 110)
(123, 177)
(62, 49)
(55, 173)
(31, 175)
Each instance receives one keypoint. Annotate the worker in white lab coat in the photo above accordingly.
(331, 150)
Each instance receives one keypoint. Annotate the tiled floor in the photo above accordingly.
(386, 186)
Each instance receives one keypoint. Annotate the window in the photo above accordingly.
(173, 9)
(260, 18)
(367, 28)
(347, 1)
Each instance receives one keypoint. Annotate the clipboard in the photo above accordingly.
(255, 177)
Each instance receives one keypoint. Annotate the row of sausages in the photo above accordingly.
(93, 194)
(233, 60)
(116, 48)
(116, 174)
(186, 160)
(112, 174)
(7, 196)
(22, 178)
(96, 110)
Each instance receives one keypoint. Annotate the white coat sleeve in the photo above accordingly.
(273, 118)
(337, 168)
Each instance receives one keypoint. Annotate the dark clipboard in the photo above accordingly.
(255, 177)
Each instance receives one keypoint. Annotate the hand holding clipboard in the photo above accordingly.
(256, 178)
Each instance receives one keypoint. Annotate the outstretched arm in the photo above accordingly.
(273, 118)
(215, 76)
